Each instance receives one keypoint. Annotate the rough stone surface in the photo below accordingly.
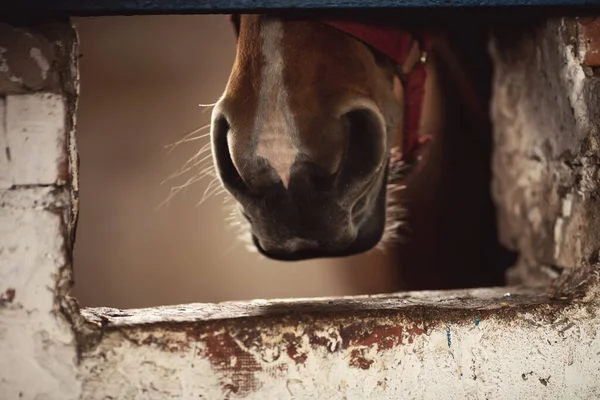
(546, 176)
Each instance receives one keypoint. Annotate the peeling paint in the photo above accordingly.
(359, 354)
(567, 205)
(327, 349)
(558, 232)
(8, 296)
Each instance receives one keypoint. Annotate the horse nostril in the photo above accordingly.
(226, 168)
(366, 145)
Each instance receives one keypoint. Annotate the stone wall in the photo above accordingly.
(546, 162)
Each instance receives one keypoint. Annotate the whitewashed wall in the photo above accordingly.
(37, 341)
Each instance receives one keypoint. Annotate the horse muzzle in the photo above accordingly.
(332, 205)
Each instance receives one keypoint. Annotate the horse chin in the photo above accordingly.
(370, 233)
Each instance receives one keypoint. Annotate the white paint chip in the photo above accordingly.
(567, 205)
(41, 61)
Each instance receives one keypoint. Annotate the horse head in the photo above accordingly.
(312, 131)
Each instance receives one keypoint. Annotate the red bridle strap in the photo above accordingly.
(397, 45)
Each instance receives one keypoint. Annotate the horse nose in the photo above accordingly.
(335, 157)
(303, 191)
(250, 164)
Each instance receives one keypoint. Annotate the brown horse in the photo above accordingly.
(318, 121)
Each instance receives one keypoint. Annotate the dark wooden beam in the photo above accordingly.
(142, 7)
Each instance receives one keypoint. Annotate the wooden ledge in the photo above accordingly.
(472, 300)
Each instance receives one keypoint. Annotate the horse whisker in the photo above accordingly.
(206, 171)
(187, 136)
(208, 191)
(207, 107)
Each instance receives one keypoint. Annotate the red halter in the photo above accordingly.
(396, 44)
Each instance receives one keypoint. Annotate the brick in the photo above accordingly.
(31, 252)
(35, 134)
(589, 38)
(33, 342)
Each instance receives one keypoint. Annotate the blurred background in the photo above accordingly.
(142, 79)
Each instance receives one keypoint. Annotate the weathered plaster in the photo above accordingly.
(477, 344)
(34, 340)
(35, 131)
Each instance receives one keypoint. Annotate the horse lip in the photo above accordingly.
(357, 245)
(343, 249)
(304, 255)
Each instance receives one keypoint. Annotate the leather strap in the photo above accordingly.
(409, 52)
